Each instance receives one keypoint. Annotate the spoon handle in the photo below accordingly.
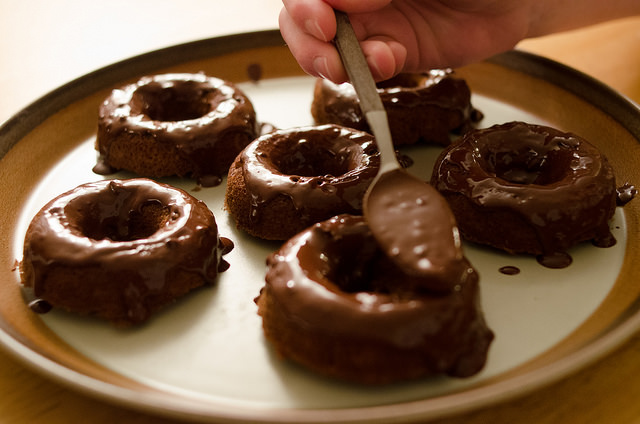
(356, 64)
(365, 86)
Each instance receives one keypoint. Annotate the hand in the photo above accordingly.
(403, 35)
(417, 35)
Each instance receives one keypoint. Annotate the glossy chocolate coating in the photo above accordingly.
(325, 287)
(406, 95)
(101, 225)
(557, 182)
(193, 113)
(626, 193)
(321, 169)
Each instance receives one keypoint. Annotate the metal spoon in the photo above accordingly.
(409, 218)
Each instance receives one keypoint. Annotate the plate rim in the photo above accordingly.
(617, 106)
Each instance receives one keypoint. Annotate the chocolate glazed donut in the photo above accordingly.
(121, 249)
(527, 188)
(290, 179)
(174, 124)
(335, 303)
(420, 107)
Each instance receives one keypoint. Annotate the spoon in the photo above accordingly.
(409, 219)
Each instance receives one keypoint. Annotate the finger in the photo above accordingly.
(315, 17)
(316, 57)
(386, 58)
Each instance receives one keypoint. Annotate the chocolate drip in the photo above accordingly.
(555, 260)
(254, 72)
(625, 194)
(40, 306)
(604, 240)
(509, 270)
(210, 180)
(102, 168)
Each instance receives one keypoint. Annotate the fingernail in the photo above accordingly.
(312, 27)
(375, 69)
(321, 66)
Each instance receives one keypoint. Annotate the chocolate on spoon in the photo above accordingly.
(411, 221)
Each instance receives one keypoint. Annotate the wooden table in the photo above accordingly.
(45, 44)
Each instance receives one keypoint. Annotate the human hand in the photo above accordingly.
(403, 35)
(417, 35)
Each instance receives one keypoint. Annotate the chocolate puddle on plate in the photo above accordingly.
(559, 260)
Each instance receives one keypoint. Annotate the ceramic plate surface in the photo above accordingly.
(205, 358)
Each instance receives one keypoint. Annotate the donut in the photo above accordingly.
(121, 249)
(189, 125)
(420, 107)
(526, 188)
(334, 303)
(289, 179)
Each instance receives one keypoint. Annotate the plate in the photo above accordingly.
(205, 358)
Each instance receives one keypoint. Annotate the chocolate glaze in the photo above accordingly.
(561, 185)
(99, 224)
(319, 168)
(103, 168)
(414, 225)
(404, 92)
(605, 240)
(254, 72)
(509, 270)
(324, 286)
(40, 306)
(556, 260)
(192, 112)
(625, 194)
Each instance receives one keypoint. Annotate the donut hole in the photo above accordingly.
(310, 158)
(328, 258)
(528, 165)
(370, 271)
(134, 224)
(337, 263)
(180, 101)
